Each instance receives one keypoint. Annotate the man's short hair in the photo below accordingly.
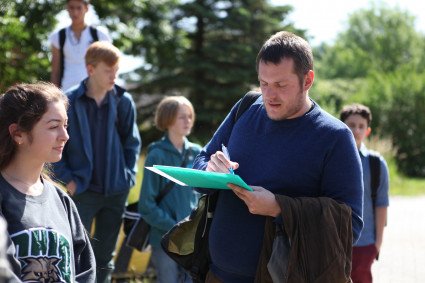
(102, 51)
(356, 109)
(84, 1)
(166, 112)
(285, 44)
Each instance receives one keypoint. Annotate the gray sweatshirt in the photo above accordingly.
(47, 241)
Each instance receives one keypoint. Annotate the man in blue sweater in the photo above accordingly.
(283, 144)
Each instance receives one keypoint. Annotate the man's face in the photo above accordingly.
(283, 95)
(358, 125)
(103, 75)
(77, 10)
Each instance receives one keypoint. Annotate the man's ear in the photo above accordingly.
(90, 69)
(308, 80)
(16, 133)
(368, 131)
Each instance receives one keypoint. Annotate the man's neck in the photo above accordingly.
(95, 92)
(78, 27)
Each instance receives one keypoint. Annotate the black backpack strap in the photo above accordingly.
(62, 37)
(93, 33)
(375, 174)
(375, 180)
(167, 188)
(246, 101)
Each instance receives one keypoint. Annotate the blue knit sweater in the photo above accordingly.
(313, 155)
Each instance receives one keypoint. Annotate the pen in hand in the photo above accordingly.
(226, 153)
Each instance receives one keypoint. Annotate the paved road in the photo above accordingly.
(402, 257)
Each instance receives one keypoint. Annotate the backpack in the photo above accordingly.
(62, 37)
(375, 181)
(375, 175)
(248, 99)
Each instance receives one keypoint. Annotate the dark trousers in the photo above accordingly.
(363, 258)
(107, 211)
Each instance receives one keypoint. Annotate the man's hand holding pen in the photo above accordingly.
(219, 162)
(260, 201)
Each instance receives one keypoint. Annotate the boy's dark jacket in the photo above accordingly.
(122, 143)
(320, 233)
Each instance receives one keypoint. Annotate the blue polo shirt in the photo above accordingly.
(367, 236)
(97, 117)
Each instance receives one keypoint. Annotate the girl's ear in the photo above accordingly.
(16, 133)
(368, 131)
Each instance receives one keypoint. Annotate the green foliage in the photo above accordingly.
(406, 121)
(23, 28)
(400, 184)
(378, 61)
(403, 185)
(333, 94)
(397, 102)
(218, 65)
(378, 39)
(202, 49)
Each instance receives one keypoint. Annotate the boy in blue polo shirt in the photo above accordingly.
(358, 118)
(99, 162)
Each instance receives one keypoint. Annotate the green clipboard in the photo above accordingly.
(199, 178)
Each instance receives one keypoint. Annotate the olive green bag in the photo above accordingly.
(187, 242)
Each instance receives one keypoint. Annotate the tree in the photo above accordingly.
(23, 28)
(216, 64)
(203, 49)
(383, 52)
(406, 120)
(378, 39)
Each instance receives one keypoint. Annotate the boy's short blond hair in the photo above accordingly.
(102, 51)
(166, 112)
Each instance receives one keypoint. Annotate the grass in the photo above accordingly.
(401, 185)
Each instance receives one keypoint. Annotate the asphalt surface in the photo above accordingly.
(402, 257)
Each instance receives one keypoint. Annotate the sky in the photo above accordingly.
(324, 19)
